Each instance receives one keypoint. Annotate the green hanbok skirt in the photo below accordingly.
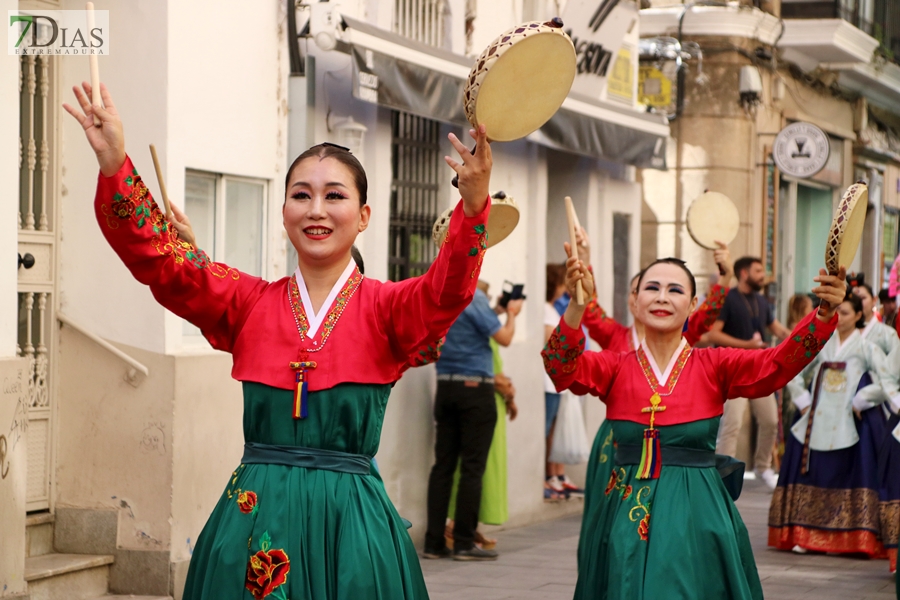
(676, 537)
(596, 476)
(298, 533)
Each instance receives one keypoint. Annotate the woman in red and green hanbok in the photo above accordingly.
(670, 529)
(304, 515)
(615, 337)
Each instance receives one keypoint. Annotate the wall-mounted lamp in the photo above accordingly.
(750, 85)
(351, 134)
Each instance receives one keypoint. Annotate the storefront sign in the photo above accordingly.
(654, 88)
(801, 150)
(597, 28)
(621, 77)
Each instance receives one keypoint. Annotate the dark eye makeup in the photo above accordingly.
(332, 195)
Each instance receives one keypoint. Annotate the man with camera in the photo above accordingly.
(465, 413)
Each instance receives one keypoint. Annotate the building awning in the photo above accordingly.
(395, 72)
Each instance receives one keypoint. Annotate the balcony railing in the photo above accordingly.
(878, 18)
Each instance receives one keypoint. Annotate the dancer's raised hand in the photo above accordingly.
(107, 139)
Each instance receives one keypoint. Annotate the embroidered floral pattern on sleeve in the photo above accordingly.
(428, 354)
(713, 306)
(479, 248)
(267, 571)
(809, 345)
(138, 206)
(595, 311)
(560, 356)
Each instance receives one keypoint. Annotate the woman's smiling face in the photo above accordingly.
(322, 212)
(664, 299)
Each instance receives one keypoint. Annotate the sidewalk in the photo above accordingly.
(538, 563)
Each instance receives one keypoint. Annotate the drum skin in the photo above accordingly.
(713, 216)
(847, 228)
(520, 80)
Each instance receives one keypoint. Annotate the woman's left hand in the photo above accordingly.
(182, 224)
(475, 172)
(722, 257)
(832, 290)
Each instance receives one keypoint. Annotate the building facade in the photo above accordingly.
(119, 425)
(750, 70)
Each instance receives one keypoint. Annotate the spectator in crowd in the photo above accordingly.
(799, 306)
(465, 413)
(556, 485)
(494, 507)
(888, 308)
(827, 499)
(743, 322)
(875, 331)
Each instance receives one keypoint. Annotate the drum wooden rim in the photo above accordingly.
(502, 221)
(847, 228)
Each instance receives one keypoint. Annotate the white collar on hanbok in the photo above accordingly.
(315, 320)
(840, 346)
(869, 327)
(635, 342)
(663, 378)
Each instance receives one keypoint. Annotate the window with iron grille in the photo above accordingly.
(415, 157)
(421, 20)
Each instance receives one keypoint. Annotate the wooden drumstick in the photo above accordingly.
(162, 183)
(95, 67)
(573, 220)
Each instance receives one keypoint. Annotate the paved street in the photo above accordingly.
(538, 563)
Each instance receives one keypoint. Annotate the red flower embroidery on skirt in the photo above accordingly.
(626, 492)
(267, 570)
(644, 527)
(246, 501)
(612, 483)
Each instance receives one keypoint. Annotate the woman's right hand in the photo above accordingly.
(107, 139)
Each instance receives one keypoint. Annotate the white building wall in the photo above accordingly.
(92, 281)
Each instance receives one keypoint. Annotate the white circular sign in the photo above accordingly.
(801, 150)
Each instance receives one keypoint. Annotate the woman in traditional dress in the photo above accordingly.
(615, 337)
(303, 515)
(874, 330)
(889, 461)
(827, 494)
(670, 529)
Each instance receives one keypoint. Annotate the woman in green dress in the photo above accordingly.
(303, 516)
(670, 528)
